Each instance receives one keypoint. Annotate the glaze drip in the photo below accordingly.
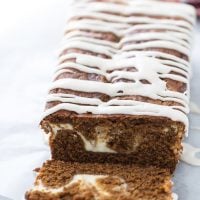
(131, 62)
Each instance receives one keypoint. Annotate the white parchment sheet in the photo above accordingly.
(30, 32)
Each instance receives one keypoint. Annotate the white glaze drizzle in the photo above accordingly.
(131, 20)
(151, 65)
(174, 196)
(83, 63)
(194, 108)
(189, 154)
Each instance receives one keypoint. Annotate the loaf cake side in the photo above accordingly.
(62, 180)
(121, 90)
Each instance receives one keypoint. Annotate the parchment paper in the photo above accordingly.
(30, 32)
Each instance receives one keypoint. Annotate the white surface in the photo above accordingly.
(29, 36)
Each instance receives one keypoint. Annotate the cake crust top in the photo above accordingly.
(124, 58)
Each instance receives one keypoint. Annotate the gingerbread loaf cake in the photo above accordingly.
(121, 89)
(58, 180)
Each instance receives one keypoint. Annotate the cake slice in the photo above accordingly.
(58, 180)
(121, 89)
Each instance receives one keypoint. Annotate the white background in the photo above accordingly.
(30, 32)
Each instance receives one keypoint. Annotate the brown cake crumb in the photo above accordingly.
(113, 181)
(145, 137)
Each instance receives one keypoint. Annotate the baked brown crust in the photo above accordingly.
(138, 138)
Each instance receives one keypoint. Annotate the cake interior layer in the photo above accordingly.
(143, 140)
(59, 180)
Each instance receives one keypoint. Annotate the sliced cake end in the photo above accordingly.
(64, 180)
